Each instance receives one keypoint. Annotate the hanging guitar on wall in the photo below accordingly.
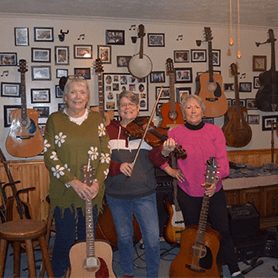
(267, 95)
(25, 138)
(140, 64)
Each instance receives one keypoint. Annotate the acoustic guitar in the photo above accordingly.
(91, 258)
(267, 95)
(108, 115)
(24, 138)
(210, 85)
(140, 64)
(199, 244)
(236, 129)
(170, 111)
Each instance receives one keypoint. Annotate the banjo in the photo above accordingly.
(140, 64)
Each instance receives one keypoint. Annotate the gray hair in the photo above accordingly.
(197, 98)
(134, 98)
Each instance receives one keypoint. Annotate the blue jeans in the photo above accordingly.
(145, 211)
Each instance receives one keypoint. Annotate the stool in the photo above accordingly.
(26, 231)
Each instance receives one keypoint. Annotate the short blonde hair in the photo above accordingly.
(134, 98)
(197, 98)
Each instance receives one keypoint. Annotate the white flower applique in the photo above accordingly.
(58, 171)
(93, 153)
(101, 130)
(54, 156)
(60, 139)
(67, 167)
(105, 158)
(46, 145)
(106, 173)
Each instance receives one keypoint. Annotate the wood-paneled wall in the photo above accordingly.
(34, 173)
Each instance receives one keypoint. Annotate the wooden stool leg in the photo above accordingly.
(30, 258)
(16, 250)
(3, 252)
(45, 256)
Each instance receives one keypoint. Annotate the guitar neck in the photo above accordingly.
(100, 94)
(172, 92)
(203, 220)
(23, 98)
(90, 238)
(210, 61)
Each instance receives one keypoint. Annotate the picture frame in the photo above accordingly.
(122, 61)
(241, 101)
(229, 102)
(7, 113)
(157, 77)
(21, 36)
(41, 95)
(181, 92)
(229, 87)
(43, 34)
(82, 51)
(41, 73)
(267, 121)
(42, 110)
(181, 56)
(216, 57)
(198, 55)
(158, 108)
(8, 59)
(40, 55)
(61, 55)
(10, 89)
(256, 82)
(251, 104)
(116, 37)
(86, 72)
(245, 87)
(259, 63)
(165, 92)
(253, 119)
(62, 72)
(156, 39)
(104, 53)
(58, 92)
(183, 75)
(61, 106)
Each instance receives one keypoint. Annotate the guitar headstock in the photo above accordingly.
(208, 34)
(234, 70)
(271, 37)
(22, 66)
(98, 66)
(141, 31)
(211, 171)
(169, 66)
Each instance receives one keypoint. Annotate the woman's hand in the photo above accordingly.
(209, 189)
(175, 173)
(168, 146)
(84, 191)
(126, 168)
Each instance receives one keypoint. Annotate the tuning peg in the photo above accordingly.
(198, 42)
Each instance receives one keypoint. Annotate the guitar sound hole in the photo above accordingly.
(173, 115)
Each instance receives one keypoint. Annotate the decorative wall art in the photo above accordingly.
(41, 73)
(183, 75)
(122, 61)
(256, 82)
(198, 55)
(10, 89)
(43, 111)
(216, 57)
(61, 72)
(41, 55)
(21, 36)
(156, 39)
(104, 53)
(245, 87)
(40, 95)
(83, 51)
(165, 95)
(181, 56)
(115, 37)
(182, 92)
(259, 63)
(268, 121)
(7, 114)
(85, 72)
(61, 55)
(8, 59)
(43, 34)
(157, 77)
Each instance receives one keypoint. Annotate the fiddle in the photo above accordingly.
(155, 136)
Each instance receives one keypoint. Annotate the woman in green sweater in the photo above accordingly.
(73, 138)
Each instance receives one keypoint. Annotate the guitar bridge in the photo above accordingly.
(211, 99)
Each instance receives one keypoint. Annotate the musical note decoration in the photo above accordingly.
(81, 37)
(5, 73)
(242, 76)
(179, 37)
(132, 27)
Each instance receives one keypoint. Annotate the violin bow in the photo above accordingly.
(147, 126)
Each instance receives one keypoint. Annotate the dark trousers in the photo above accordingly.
(218, 219)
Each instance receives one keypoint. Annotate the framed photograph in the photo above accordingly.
(83, 51)
(198, 55)
(21, 36)
(182, 92)
(256, 82)
(165, 92)
(250, 104)
(181, 56)
(41, 72)
(158, 108)
(104, 53)
(40, 95)
(61, 55)
(156, 39)
(253, 119)
(43, 34)
(242, 102)
(10, 89)
(61, 106)
(42, 110)
(229, 87)
(259, 63)
(8, 59)
(245, 87)
(61, 72)
(122, 61)
(229, 101)
(269, 121)
(157, 77)
(216, 57)
(41, 55)
(7, 114)
(115, 37)
(58, 92)
(183, 75)
(86, 72)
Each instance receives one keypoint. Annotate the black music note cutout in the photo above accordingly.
(132, 27)
(81, 37)
(5, 73)
(179, 37)
(243, 75)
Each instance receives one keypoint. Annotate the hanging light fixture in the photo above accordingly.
(238, 52)
(231, 39)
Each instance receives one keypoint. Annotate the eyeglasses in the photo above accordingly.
(129, 104)
(76, 76)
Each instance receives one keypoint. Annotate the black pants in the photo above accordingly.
(217, 217)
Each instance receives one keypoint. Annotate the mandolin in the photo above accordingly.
(91, 258)
(199, 245)
(24, 138)
(140, 65)
(267, 95)
(236, 129)
(108, 115)
(171, 111)
(210, 85)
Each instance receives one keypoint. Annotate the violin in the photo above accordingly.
(155, 136)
